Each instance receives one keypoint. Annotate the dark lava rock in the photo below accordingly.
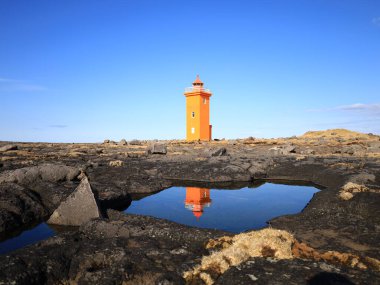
(19, 206)
(133, 249)
(31, 193)
(143, 250)
(105, 229)
(124, 250)
(217, 152)
(178, 235)
(22, 205)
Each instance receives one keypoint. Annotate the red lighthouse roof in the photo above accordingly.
(198, 80)
(197, 214)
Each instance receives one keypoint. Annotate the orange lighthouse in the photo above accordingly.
(198, 112)
(196, 199)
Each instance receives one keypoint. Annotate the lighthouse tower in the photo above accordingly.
(198, 112)
(196, 199)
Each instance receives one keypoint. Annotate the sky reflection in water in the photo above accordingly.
(27, 237)
(229, 210)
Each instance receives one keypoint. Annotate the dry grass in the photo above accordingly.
(75, 153)
(344, 165)
(116, 163)
(176, 153)
(349, 189)
(301, 250)
(239, 248)
(336, 133)
(278, 244)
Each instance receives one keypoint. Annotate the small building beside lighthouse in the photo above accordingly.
(198, 112)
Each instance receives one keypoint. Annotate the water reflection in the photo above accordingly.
(196, 199)
(238, 209)
(29, 235)
(233, 210)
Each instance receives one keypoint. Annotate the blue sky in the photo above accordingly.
(84, 71)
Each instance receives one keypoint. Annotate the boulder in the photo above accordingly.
(259, 169)
(284, 150)
(288, 149)
(8, 147)
(123, 142)
(157, 149)
(135, 142)
(78, 208)
(221, 151)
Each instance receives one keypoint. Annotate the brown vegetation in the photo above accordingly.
(268, 243)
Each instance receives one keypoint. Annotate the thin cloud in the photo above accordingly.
(371, 108)
(376, 21)
(13, 85)
(357, 107)
(58, 126)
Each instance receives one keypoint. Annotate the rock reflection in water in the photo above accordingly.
(196, 199)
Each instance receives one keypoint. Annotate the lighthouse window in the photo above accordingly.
(192, 130)
(204, 101)
(192, 114)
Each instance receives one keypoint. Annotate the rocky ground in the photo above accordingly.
(334, 240)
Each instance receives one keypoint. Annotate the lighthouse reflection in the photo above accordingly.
(196, 199)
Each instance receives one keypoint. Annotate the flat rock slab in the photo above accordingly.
(8, 147)
(78, 208)
(47, 172)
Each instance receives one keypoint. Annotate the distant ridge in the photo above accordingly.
(331, 133)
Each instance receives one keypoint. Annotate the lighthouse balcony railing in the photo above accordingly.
(196, 89)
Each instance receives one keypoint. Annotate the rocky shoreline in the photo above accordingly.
(334, 239)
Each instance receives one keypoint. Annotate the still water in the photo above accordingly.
(39, 232)
(229, 210)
